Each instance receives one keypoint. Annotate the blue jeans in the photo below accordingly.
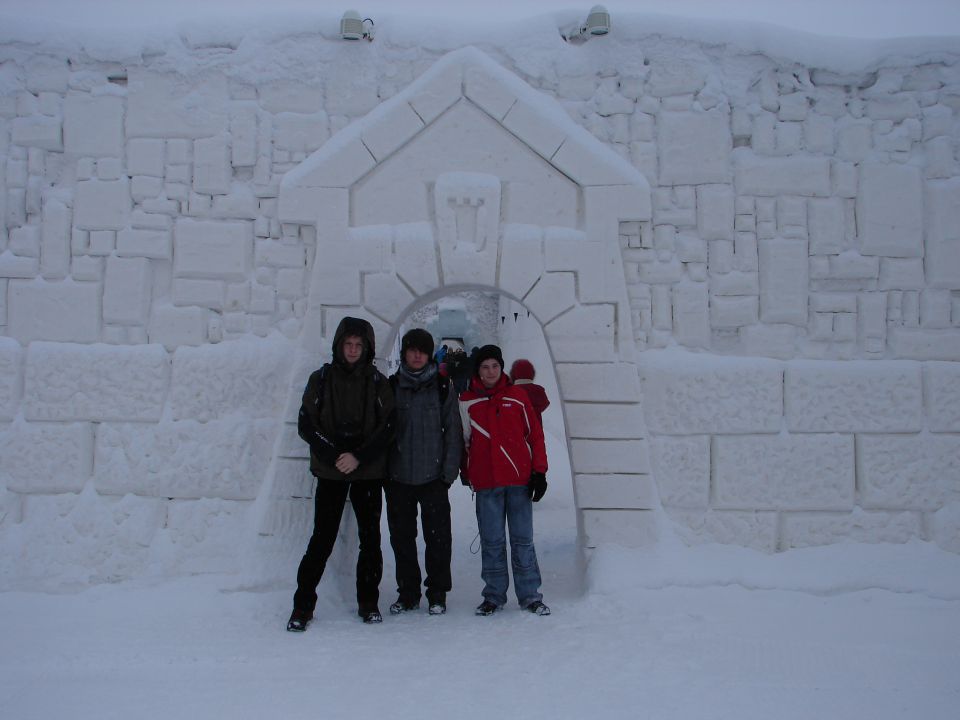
(495, 509)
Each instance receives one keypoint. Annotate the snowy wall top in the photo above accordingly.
(855, 36)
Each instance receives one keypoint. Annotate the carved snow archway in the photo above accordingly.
(470, 178)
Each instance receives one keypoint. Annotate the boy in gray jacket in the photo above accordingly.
(424, 461)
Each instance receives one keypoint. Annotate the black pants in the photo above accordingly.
(434, 502)
(366, 497)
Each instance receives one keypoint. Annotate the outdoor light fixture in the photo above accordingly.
(354, 27)
(597, 23)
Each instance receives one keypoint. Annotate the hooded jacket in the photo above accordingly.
(502, 434)
(429, 438)
(522, 373)
(348, 408)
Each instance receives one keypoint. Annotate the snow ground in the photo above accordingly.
(847, 631)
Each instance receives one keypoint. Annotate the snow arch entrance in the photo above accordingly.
(471, 178)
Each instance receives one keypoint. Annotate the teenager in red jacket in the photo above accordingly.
(505, 463)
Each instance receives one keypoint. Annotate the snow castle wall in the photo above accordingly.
(793, 295)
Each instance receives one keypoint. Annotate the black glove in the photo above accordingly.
(537, 487)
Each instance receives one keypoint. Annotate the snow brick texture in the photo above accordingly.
(181, 230)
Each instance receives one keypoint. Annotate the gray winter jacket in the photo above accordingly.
(429, 439)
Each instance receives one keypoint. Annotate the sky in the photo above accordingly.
(848, 18)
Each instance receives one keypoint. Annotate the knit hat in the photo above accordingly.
(486, 353)
(419, 339)
(522, 370)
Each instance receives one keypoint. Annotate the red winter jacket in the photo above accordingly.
(503, 436)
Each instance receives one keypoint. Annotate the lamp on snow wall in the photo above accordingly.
(354, 27)
(597, 23)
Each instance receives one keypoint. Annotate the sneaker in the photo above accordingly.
(299, 619)
(486, 608)
(400, 607)
(437, 608)
(371, 616)
(537, 608)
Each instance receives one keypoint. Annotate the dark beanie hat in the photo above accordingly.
(486, 353)
(419, 339)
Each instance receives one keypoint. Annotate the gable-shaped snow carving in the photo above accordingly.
(470, 178)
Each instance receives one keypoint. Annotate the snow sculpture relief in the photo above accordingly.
(765, 254)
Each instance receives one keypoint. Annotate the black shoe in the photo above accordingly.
(400, 607)
(486, 608)
(299, 619)
(437, 608)
(371, 616)
(537, 608)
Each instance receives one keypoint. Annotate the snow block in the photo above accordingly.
(65, 311)
(812, 529)
(437, 89)
(170, 106)
(783, 472)
(853, 396)
(756, 530)
(55, 240)
(393, 128)
(554, 293)
(385, 295)
(11, 377)
(682, 469)
(635, 492)
(598, 382)
(37, 131)
(922, 344)
(184, 459)
(173, 327)
(715, 212)
(945, 527)
(890, 210)
(521, 258)
(248, 377)
(93, 125)
(46, 457)
(127, 289)
(488, 91)
(692, 394)
(629, 528)
(941, 385)
(583, 334)
(691, 318)
(219, 250)
(145, 157)
(296, 132)
(292, 479)
(85, 539)
(414, 257)
(604, 420)
(767, 177)
(530, 124)
(204, 535)
(908, 472)
(95, 382)
(825, 225)
(610, 456)
(102, 204)
(694, 147)
(155, 244)
(212, 171)
(942, 257)
(784, 281)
